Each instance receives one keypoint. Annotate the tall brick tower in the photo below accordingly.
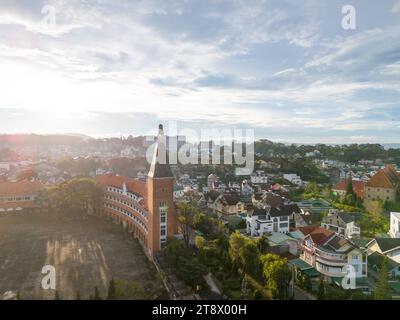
(160, 186)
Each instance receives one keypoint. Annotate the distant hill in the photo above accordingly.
(12, 140)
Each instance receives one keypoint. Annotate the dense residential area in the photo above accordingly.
(310, 222)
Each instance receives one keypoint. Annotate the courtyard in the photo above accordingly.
(86, 252)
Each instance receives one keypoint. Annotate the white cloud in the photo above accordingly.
(396, 7)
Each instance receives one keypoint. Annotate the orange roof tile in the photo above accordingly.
(385, 178)
(358, 187)
(20, 188)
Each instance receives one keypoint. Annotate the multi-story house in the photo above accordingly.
(269, 219)
(331, 254)
(384, 185)
(390, 247)
(259, 177)
(229, 204)
(342, 223)
(293, 178)
(394, 225)
(144, 208)
(19, 196)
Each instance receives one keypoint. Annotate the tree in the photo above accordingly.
(96, 294)
(187, 215)
(199, 242)
(236, 243)
(312, 190)
(250, 257)
(112, 290)
(321, 289)
(277, 275)
(174, 250)
(263, 244)
(382, 290)
(57, 296)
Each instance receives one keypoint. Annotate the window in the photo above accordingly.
(162, 232)
(163, 219)
(354, 257)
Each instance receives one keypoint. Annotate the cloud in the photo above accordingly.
(279, 66)
(396, 7)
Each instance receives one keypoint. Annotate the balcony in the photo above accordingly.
(330, 271)
(330, 256)
(330, 262)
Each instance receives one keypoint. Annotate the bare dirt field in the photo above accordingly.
(84, 252)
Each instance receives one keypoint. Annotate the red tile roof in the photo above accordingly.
(358, 187)
(318, 234)
(20, 188)
(385, 178)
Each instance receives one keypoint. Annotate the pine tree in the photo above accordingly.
(382, 290)
(321, 289)
(112, 290)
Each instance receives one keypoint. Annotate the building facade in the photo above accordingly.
(342, 223)
(331, 255)
(383, 185)
(19, 196)
(269, 219)
(144, 208)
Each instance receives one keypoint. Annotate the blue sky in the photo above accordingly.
(285, 68)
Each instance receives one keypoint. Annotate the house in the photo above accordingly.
(331, 254)
(212, 180)
(383, 185)
(269, 219)
(390, 247)
(246, 189)
(375, 261)
(259, 177)
(229, 204)
(394, 231)
(179, 192)
(286, 242)
(267, 199)
(342, 223)
(315, 206)
(208, 199)
(358, 188)
(19, 196)
(293, 178)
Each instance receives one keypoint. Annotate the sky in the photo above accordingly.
(285, 68)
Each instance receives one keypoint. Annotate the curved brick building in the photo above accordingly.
(145, 208)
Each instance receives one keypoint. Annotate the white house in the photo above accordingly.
(268, 220)
(394, 225)
(259, 177)
(390, 247)
(331, 254)
(293, 178)
(342, 223)
(179, 192)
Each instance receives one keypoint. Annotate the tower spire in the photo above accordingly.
(159, 167)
